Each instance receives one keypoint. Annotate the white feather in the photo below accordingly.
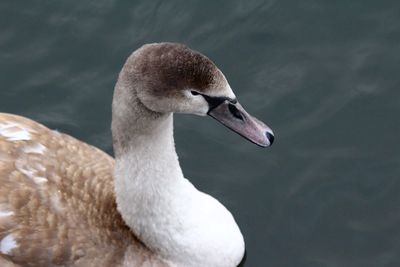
(167, 212)
(14, 132)
(7, 244)
(37, 148)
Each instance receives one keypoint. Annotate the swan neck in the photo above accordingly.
(164, 210)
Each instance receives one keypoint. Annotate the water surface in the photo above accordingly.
(322, 74)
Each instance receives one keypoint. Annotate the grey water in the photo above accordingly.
(323, 74)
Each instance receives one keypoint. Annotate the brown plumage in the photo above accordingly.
(175, 67)
(57, 201)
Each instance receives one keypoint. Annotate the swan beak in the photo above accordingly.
(233, 116)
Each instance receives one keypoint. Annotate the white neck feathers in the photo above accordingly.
(162, 208)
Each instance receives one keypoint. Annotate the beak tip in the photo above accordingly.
(270, 137)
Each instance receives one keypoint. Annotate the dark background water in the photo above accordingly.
(323, 74)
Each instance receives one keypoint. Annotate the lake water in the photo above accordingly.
(323, 74)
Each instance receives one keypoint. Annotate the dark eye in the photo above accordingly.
(194, 93)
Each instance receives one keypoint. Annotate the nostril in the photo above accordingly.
(270, 137)
(235, 112)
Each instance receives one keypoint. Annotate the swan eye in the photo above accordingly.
(194, 93)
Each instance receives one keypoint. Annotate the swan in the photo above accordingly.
(66, 203)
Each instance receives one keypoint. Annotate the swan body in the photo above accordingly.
(66, 203)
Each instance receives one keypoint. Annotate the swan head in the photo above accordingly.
(170, 77)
